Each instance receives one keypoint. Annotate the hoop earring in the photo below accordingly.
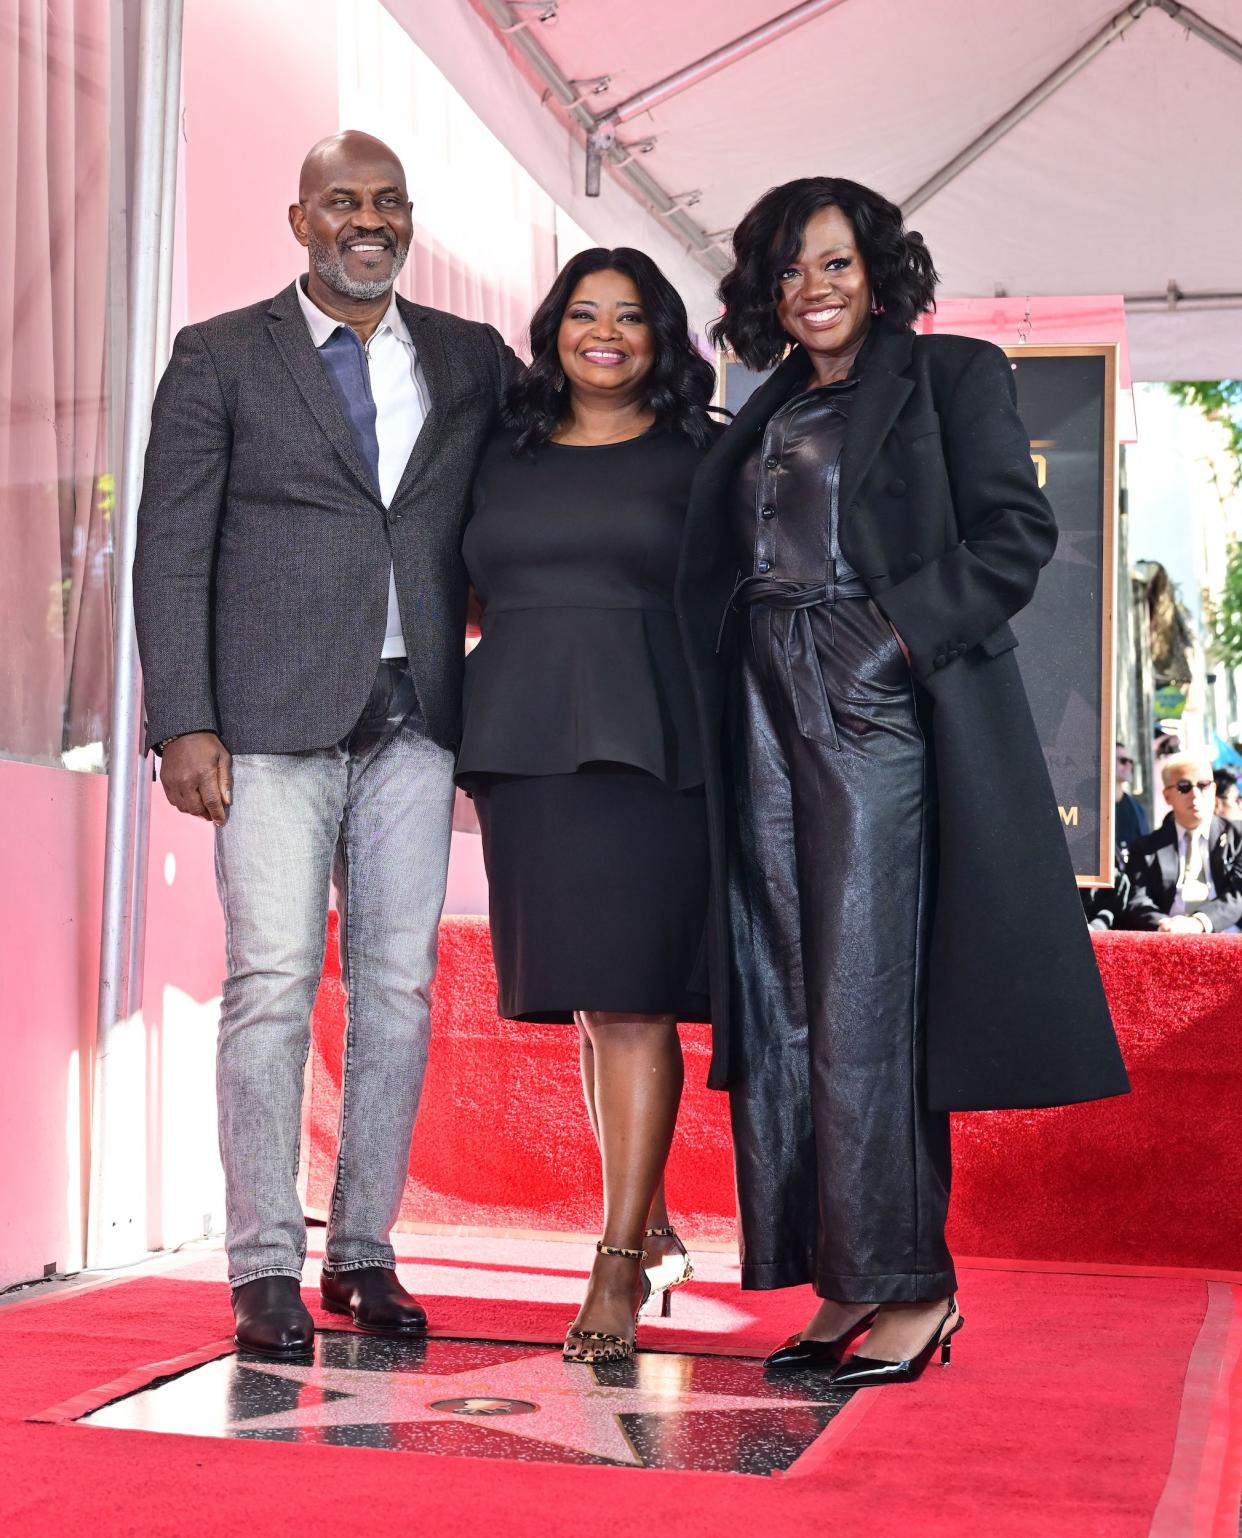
(876, 307)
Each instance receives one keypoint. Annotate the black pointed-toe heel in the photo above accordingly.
(798, 1355)
(871, 1372)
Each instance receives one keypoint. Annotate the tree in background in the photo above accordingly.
(1226, 611)
(1221, 401)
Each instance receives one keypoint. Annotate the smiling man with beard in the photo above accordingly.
(300, 600)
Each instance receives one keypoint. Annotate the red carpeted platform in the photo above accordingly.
(1149, 1179)
(1077, 1404)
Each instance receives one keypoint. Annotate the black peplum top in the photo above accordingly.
(573, 552)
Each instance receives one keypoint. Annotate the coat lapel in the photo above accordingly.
(433, 361)
(293, 341)
(1218, 844)
(1169, 858)
(882, 391)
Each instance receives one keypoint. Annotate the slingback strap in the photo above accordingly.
(659, 1233)
(612, 1249)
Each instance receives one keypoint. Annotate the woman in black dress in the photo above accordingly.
(580, 744)
(899, 950)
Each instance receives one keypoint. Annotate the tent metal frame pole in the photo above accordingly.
(720, 58)
(1120, 24)
(169, 148)
(640, 182)
(159, 27)
(1176, 299)
(1117, 27)
(1193, 22)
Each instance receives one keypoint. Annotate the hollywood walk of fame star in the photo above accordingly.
(1068, 552)
(576, 1411)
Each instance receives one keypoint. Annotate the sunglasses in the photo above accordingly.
(1184, 787)
(1128, 762)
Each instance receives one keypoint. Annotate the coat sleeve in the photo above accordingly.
(511, 366)
(1141, 911)
(1006, 529)
(183, 490)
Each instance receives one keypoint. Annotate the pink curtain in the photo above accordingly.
(56, 494)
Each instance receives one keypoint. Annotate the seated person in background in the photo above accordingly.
(1186, 877)
(1105, 906)
(1131, 820)
(1228, 801)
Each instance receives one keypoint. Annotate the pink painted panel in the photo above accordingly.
(259, 87)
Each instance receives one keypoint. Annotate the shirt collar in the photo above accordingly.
(322, 326)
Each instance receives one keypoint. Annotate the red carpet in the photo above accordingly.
(1148, 1179)
(1077, 1404)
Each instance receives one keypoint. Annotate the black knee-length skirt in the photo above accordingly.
(598, 893)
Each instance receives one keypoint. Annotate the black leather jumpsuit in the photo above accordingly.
(830, 898)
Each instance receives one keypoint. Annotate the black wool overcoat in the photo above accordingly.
(942, 517)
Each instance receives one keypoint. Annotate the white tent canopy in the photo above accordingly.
(1112, 164)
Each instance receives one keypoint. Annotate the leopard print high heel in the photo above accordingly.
(593, 1346)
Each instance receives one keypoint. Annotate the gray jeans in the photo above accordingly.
(376, 821)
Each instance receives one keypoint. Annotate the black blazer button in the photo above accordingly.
(897, 488)
(913, 562)
(772, 462)
(767, 511)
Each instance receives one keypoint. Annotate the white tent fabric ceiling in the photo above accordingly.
(1124, 180)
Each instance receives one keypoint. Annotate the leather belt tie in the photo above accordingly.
(796, 640)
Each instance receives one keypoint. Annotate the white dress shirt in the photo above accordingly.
(400, 410)
(1195, 885)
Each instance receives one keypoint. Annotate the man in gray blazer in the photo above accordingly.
(300, 601)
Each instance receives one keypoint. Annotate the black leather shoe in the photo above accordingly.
(270, 1319)
(375, 1300)
(798, 1355)
(872, 1372)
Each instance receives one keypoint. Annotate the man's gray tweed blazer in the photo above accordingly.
(261, 576)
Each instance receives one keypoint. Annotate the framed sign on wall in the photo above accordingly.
(1067, 397)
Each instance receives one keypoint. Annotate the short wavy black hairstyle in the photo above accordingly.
(679, 387)
(903, 278)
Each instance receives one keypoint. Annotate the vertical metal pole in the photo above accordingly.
(114, 1203)
(163, 317)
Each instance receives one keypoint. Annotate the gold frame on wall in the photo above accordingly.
(1103, 875)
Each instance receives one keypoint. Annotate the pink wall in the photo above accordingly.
(50, 905)
(259, 87)
(49, 966)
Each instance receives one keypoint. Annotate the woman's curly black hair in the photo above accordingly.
(903, 279)
(679, 386)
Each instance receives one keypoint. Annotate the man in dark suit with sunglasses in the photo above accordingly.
(1186, 877)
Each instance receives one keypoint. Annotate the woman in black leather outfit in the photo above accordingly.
(869, 524)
